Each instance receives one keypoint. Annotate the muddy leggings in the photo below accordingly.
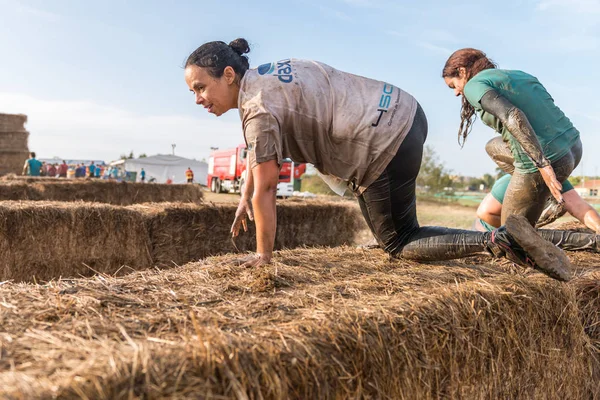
(390, 208)
(527, 193)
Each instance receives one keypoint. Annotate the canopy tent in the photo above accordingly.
(165, 166)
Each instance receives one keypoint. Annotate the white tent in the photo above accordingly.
(164, 166)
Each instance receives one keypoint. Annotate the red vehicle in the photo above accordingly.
(227, 172)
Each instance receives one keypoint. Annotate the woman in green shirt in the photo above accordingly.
(539, 145)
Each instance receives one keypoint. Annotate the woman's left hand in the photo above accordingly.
(553, 184)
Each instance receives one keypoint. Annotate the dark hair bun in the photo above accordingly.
(240, 46)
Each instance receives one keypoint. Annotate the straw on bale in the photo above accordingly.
(12, 122)
(181, 233)
(319, 323)
(101, 191)
(13, 143)
(11, 178)
(43, 240)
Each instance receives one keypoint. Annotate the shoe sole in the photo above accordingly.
(548, 258)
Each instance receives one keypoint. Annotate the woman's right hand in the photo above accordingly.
(553, 184)
(244, 210)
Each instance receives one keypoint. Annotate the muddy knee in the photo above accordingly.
(500, 153)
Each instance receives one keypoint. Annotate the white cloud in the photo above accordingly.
(435, 48)
(373, 4)
(438, 35)
(572, 25)
(335, 13)
(429, 39)
(570, 6)
(37, 12)
(83, 129)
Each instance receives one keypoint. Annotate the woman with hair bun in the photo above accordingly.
(363, 134)
(539, 145)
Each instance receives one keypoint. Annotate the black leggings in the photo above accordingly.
(389, 206)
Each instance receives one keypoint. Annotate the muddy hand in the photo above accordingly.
(243, 211)
(553, 184)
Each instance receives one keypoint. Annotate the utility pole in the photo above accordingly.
(173, 146)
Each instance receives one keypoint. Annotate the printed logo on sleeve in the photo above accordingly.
(266, 68)
(385, 102)
(283, 70)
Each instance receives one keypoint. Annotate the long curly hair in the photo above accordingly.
(473, 61)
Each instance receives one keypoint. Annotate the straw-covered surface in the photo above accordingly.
(14, 178)
(12, 122)
(40, 241)
(317, 323)
(181, 233)
(12, 161)
(96, 190)
(14, 142)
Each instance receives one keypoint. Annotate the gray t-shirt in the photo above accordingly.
(346, 125)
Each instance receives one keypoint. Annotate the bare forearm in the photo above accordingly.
(591, 219)
(248, 186)
(265, 217)
(584, 212)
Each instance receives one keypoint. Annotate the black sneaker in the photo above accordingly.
(552, 211)
(520, 243)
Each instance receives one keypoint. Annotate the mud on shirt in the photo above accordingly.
(346, 125)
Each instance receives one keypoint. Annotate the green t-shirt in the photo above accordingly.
(499, 191)
(553, 129)
(34, 167)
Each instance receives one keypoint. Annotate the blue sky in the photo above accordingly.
(99, 79)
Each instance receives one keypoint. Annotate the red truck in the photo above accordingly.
(227, 172)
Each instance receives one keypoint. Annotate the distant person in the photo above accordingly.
(92, 172)
(142, 175)
(98, 171)
(62, 170)
(32, 166)
(490, 209)
(189, 174)
(52, 170)
(44, 169)
(114, 173)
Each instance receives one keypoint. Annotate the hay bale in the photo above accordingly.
(96, 190)
(43, 241)
(12, 122)
(570, 226)
(14, 178)
(332, 323)
(106, 237)
(182, 233)
(13, 143)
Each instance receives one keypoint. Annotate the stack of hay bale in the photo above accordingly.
(13, 143)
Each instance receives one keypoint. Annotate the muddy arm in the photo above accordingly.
(516, 122)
